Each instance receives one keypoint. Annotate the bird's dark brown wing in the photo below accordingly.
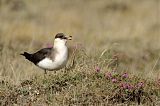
(40, 55)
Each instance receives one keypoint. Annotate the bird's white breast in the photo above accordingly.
(58, 62)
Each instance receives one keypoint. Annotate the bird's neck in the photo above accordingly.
(59, 47)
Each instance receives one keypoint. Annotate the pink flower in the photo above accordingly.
(140, 85)
(108, 75)
(123, 85)
(97, 69)
(126, 86)
(49, 45)
(158, 82)
(125, 75)
(130, 87)
(114, 80)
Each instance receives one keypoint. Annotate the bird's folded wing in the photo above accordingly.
(41, 54)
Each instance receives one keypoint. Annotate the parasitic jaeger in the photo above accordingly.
(53, 58)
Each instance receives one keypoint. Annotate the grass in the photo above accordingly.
(116, 60)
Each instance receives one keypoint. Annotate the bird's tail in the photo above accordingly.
(26, 55)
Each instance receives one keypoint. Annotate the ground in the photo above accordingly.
(115, 48)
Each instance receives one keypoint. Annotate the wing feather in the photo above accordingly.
(40, 55)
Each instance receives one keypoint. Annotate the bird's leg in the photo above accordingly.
(45, 72)
(65, 69)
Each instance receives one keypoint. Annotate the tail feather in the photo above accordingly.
(26, 55)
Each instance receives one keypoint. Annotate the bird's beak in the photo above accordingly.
(69, 38)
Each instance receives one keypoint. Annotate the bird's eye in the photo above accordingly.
(61, 37)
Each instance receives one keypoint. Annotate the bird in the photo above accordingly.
(51, 58)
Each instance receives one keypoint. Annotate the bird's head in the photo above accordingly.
(61, 39)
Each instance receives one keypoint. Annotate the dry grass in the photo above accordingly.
(113, 35)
